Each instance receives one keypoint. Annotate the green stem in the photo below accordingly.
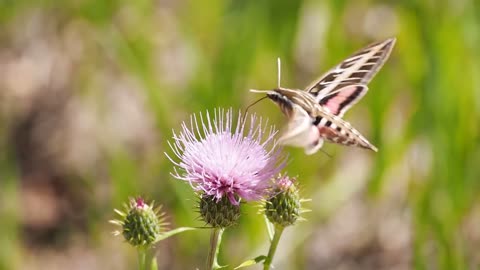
(141, 258)
(273, 247)
(151, 260)
(146, 258)
(215, 239)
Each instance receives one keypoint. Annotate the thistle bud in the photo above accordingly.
(283, 208)
(141, 223)
(218, 213)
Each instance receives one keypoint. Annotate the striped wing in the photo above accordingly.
(342, 86)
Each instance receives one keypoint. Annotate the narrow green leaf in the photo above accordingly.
(270, 227)
(251, 262)
(173, 232)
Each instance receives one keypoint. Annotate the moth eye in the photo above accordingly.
(273, 97)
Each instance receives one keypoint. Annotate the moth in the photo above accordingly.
(315, 114)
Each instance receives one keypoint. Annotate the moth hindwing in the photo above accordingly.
(315, 114)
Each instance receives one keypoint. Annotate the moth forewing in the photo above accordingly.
(359, 68)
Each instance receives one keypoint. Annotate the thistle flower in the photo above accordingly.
(220, 159)
(284, 207)
(141, 223)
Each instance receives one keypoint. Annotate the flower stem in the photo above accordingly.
(215, 239)
(273, 247)
(141, 258)
(146, 258)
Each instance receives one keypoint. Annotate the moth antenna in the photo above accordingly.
(279, 71)
(248, 107)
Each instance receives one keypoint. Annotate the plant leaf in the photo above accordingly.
(251, 262)
(270, 228)
(173, 232)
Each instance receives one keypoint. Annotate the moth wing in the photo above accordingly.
(358, 69)
(343, 99)
(301, 133)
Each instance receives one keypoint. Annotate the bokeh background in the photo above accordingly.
(91, 90)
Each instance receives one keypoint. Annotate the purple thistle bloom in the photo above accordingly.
(284, 182)
(218, 159)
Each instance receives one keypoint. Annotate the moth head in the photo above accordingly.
(279, 95)
(275, 95)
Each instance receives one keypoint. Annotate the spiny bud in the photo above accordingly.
(283, 208)
(218, 213)
(141, 223)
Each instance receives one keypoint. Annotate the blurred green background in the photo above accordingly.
(91, 90)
